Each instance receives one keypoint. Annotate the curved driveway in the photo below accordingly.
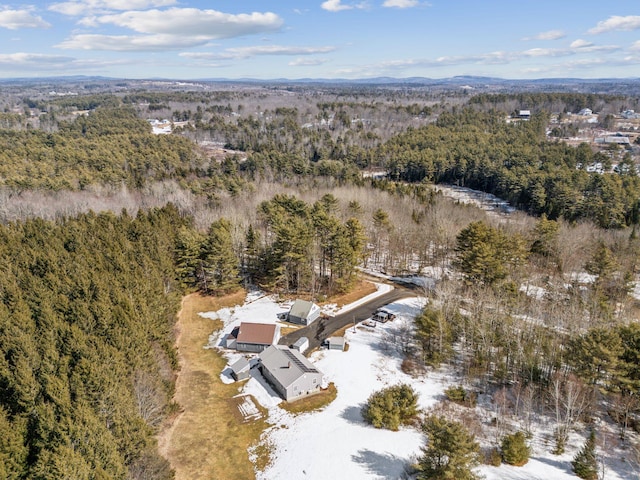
(323, 328)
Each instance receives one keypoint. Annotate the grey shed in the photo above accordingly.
(240, 369)
(301, 344)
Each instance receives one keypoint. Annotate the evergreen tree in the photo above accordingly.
(595, 356)
(515, 450)
(220, 263)
(451, 452)
(391, 407)
(435, 336)
(585, 464)
(253, 253)
(188, 263)
(545, 238)
(480, 253)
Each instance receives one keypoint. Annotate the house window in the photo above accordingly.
(295, 388)
(315, 380)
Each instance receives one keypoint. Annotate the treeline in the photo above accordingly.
(513, 326)
(107, 147)
(517, 163)
(557, 102)
(294, 247)
(87, 307)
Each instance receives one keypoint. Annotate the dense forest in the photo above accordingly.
(314, 186)
(86, 345)
(518, 163)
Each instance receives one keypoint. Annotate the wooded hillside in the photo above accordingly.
(87, 307)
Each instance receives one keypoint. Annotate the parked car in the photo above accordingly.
(383, 315)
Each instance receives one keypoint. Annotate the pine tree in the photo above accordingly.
(188, 246)
(585, 464)
(391, 407)
(451, 452)
(219, 259)
(435, 336)
(515, 450)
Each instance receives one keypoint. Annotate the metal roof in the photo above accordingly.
(240, 365)
(301, 308)
(258, 333)
(286, 365)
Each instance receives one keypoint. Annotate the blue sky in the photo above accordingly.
(189, 39)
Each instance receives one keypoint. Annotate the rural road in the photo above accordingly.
(323, 328)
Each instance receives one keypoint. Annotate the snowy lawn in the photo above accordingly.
(335, 443)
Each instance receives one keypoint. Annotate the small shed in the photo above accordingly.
(303, 312)
(240, 369)
(301, 344)
(336, 343)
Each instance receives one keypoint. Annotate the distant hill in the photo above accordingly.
(625, 86)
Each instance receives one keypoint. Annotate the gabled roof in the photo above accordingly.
(302, 308)
(286, 365)
(258, 333)
(301, 341)
(239, 366)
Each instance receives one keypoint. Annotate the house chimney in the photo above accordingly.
(288, 364)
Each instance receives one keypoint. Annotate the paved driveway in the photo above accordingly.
(323, 328)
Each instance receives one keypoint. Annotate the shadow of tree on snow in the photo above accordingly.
(385, 465)
(353, 414)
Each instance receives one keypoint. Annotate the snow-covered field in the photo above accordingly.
(335, 443)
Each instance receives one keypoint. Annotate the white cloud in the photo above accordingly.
(538, 55)
(580, 43)
(192, 21)
(248, 52)
(32, 60)
(616, 22)
(131, 43)
(548, 35)
(400, 3)
(635, 46)
(335, 6)
(84, 7)
(15, 19)
(306, 62)
(245, 52)
(338, 6)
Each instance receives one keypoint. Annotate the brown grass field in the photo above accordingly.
(209, 439)
(206, 440)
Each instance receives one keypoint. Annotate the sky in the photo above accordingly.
(330, 39)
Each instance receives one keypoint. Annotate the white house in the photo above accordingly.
(289, 372)
(303, 312)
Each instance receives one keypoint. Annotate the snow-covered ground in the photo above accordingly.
(335, 443)
(485, 201)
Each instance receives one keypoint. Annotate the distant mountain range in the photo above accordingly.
(626, 86)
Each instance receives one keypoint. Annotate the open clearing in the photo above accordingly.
(210, 437)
